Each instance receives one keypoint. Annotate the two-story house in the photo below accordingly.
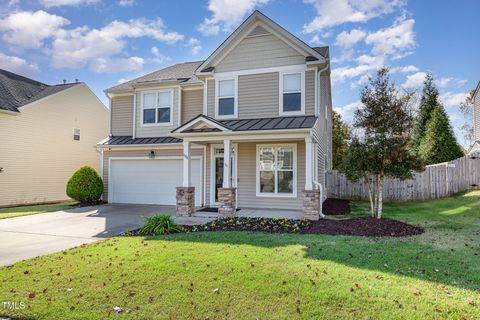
(475, 149)
(249, 127)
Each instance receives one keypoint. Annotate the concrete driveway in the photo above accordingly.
(36, 235)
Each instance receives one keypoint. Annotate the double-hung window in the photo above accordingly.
(226, 104)
(291, 93)
(157, 107)
(276, 170)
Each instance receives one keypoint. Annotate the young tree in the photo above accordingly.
(466, 108)
(383, 149)
(340, 137)
(428, 102)
(439, 144)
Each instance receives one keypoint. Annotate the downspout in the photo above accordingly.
(319, 91)
(134, 134)
(320, 187)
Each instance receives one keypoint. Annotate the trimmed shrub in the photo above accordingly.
(159, 224)
(85, 185)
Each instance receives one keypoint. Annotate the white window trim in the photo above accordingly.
(302, 92)
(142, 93)
(257, 174)
(235, 97)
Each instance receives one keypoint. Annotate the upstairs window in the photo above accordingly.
(291, 94)
(157, 107)
(226, 106)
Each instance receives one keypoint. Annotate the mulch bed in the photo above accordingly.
(333, 206)
(364, 226)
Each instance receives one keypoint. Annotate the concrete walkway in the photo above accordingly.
(36, 235)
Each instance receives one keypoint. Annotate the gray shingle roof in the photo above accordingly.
(181, 72)
(17, 91)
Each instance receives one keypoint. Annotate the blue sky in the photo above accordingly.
(105, 42)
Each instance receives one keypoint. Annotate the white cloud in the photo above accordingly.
(397, 40)
(105, 65)
(226, 15)
(366, 64)
(334, 12)
(59, 3)
(17, 65)
(195, 46)
(349, 39)
(159, 58)
(415, 80)
(404, 69)
(347, 111)
(450, 99)
(29, 29)
(97, 48)
(126, 3)
(316, 41)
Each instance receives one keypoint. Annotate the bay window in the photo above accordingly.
(291, 93)
(157, 107)
(276, 170)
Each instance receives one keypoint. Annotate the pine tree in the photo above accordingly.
(439, 143)
(427, 103)
(340, 137)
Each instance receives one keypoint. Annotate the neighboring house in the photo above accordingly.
(475, 148)
(46, 133)
(250, 127)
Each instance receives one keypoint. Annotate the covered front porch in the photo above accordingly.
(265, 174)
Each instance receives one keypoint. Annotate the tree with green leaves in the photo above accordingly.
(383, 149)
(340, 138)
(439, 144)
(428, 102)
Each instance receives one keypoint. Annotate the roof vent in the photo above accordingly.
(76, 80)
(258, 31)
(64, 81)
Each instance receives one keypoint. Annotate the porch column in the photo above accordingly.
(227, 156)
(227, 196)
(186, 164)
(309, 163)
(311, 197)
(185, 196)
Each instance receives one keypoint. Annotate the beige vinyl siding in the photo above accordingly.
(156, 130)
(211, 98)
(246, 191)
(122, 116)
(310, 92)
(323, 130)
(37, 151)
(192, 104)
(258, 95)
(477, 116)
(169, 152)
(259, 52)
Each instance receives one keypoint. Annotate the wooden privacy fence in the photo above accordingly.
(437, 181)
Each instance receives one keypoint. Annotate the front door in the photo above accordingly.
(218, 170)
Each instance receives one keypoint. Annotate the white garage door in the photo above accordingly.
(150, 181)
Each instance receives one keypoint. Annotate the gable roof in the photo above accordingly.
(310, 53)
(17, 91)
(180, 72)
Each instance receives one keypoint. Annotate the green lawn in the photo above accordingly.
(432, 276)
(28, 210)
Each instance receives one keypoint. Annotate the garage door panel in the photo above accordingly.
(150, 181)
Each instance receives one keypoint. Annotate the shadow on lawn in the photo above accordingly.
(438, 255)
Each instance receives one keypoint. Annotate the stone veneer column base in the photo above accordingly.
(227, 201)
(311, 204)
(185, 201)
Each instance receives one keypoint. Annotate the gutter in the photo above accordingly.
(13, 113)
